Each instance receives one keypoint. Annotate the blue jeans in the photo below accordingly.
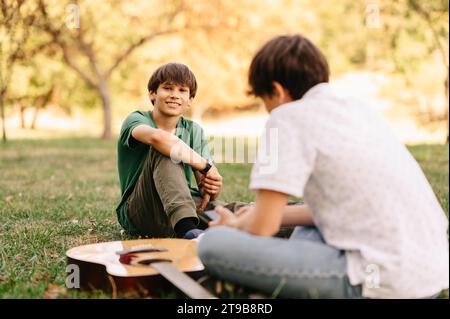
(303, 266)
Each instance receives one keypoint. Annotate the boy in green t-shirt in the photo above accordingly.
(162, 157)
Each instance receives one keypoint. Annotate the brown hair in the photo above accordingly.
(175, 73)
(293, 61)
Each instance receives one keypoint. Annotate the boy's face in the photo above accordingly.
(171, 99)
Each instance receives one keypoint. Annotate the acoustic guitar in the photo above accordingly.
(146, 266)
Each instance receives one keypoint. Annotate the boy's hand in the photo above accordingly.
(227, 218)
(212, 183)
(245, 209)
(237, 219)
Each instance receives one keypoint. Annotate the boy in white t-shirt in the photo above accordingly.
(371, 225)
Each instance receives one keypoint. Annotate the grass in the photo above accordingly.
(60, 193)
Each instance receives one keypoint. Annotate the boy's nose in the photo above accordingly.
(175, 94)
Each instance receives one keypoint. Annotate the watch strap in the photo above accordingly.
(206, 169)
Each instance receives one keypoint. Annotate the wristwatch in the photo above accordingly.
(204, 171)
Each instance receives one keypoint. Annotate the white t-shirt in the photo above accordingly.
(367, 194)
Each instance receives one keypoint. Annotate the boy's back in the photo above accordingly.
(367, 193)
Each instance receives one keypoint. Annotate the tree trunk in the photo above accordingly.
(446, 102)
(35, 116)
(2, 111)
(106, 106)
(22, 115)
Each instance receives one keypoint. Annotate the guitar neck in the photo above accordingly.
(182, 281)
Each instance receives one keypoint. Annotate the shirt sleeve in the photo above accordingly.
(132, 120)
(286, 155)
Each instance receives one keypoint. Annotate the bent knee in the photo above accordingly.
(214, 242)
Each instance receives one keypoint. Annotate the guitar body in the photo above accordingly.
(126, 266)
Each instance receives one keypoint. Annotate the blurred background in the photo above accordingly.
(77, 68)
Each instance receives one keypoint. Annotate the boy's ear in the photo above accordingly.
(151, 96)
(281, 93)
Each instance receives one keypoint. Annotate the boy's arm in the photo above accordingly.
(266, 217)
(210, 184)
(297, 215)
(169, 145)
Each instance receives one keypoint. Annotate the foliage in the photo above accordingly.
(217, 40)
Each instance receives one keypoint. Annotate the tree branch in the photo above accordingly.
(88, 51)
(134, 46)
(144, 39)
(76, 68)
(56, 37)
(416, 7)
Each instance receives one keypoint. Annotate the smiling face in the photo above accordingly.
(171, 99)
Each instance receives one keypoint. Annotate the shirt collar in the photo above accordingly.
(317, 89)
(179, 128)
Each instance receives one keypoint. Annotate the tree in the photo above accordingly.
(439, 33)
(96, 43)
(413, 30)
(15, 32)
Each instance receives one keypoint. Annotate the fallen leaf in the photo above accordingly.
(218, 287)
(104, 164)
(54, 291)
(8, 198)
(229, 286)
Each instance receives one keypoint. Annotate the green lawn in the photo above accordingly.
(56, 194)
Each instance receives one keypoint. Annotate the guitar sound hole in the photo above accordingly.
(154, 260)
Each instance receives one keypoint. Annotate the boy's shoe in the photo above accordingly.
(193, 233)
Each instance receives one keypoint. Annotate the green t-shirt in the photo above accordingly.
(132, 154)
